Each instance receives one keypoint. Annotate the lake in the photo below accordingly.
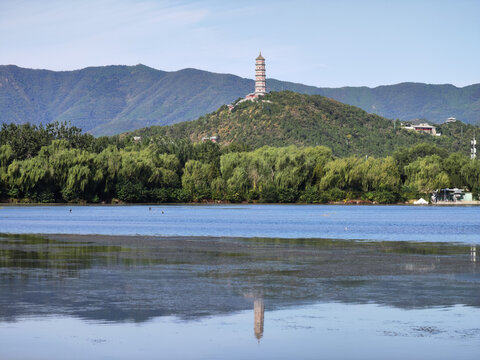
(399, 223)
(239, 281)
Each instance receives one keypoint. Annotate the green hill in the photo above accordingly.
(286, 118)
(114, 99)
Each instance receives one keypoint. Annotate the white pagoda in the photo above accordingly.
(260, 79)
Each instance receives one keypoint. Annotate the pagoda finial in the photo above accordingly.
(260, 57)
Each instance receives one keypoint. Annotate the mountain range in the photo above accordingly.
(113, 99)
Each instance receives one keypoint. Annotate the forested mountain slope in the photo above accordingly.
(287, 118)
(109, 100)
(405, 101)
(112, 99)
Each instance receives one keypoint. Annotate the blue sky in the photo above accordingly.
(321, 43)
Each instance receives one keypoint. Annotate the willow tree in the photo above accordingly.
(197, 179)
(6, 157)
(378, 174)
(107, 167)
(426, 174)
(453, 165)
(470, 171)
(144, 171)
(342, 174)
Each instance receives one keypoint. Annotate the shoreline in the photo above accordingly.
(157, 239)
(213, 203)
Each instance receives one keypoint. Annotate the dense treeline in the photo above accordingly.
(26, 140)
(59, 164)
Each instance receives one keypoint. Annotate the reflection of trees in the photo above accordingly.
(36, 252)
(140, 278)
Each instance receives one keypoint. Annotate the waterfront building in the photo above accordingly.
(451, 195)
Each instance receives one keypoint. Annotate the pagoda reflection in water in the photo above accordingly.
(258, 311)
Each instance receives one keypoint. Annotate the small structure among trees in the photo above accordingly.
(423, 127)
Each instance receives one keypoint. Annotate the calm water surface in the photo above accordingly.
(241, 281)
(101, 297)
(405, 223)
(330, 331)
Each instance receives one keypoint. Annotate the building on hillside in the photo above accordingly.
(423, 127)
(210, 138)
(426, 128)
(260, 79)
(260, 83)
(451, 120)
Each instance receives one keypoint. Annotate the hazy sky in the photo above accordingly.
(322, 43)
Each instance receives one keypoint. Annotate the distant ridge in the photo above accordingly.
(113, 99)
